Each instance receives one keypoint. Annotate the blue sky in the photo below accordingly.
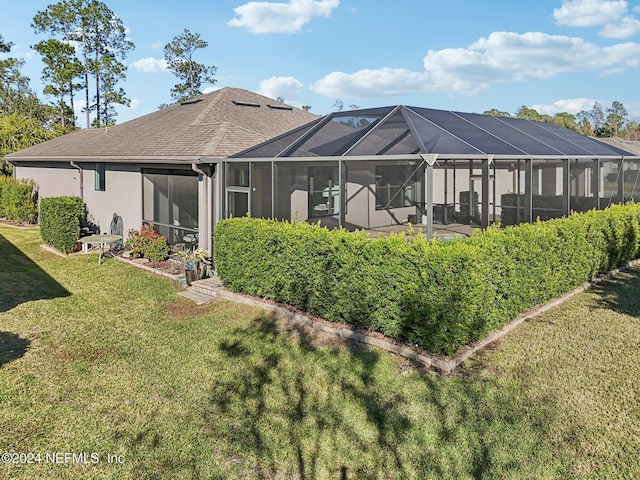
(464, 55)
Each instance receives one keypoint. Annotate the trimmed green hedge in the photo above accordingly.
(440, 295)
(18, 200)
(60, 218)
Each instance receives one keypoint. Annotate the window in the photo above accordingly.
(238, 174)
(324, 192)
(99, 177)
(395, 186)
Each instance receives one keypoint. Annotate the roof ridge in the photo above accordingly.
(216, 138)
(207, 110)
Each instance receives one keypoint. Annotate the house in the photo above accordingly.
(235, 153)
(151, 169)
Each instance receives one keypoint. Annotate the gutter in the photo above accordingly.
(75, 165)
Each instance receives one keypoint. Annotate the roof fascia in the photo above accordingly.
(418, 157)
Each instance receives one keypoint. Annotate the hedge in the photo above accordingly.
(60, 218)
(440, 295)
(18, 200)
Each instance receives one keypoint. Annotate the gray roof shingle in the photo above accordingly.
(211, 126)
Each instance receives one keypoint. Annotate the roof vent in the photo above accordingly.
(246, 104)
(280, 107)
(189, 102)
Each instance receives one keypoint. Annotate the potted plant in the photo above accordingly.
(196, 264)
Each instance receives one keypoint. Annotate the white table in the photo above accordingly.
(100, 239)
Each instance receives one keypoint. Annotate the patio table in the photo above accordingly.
(100, 239)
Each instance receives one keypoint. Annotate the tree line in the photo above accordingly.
(84, 56)
(598, 122)
(84, 52)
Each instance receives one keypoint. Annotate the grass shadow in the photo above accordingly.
(270, 369)
(621, 293)
(22, 280)
(295, 410)
(12, 347)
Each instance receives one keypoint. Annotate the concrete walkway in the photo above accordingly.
(203, 291)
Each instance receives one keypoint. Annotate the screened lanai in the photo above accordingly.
(370, 168)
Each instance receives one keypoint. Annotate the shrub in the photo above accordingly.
(18, 200)
(440, 295)
(147, 243)
(60, 218)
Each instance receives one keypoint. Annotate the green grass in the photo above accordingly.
(108, 359)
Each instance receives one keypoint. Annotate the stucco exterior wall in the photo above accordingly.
(122, 195)
(53, 179)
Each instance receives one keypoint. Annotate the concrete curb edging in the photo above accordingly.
(443, 365)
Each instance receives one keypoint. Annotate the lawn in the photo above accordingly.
(107, 361)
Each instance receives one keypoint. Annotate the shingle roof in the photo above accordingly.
(214, 125)
(632, 146)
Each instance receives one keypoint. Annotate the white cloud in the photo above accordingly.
(158, 45)
(271, 17)
(286, 87)
(501, 57)
(611, 15)
(506, 57)
(624, 28)
(370, 83)
(572, 105)
(588, 13)
(150, 65)
(210, 89)
(135, 103)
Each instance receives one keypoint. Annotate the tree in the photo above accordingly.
(110, 95)
(596, 118)
(107, 42)
(63, 19)
(18, 131)
(566, 120)
(583, 119)
(179, 55)
(527, 113)
(15, 93)
(494, 112)
(99, 33)
(61, 70)
(306, 108)
(338, 105)
(616, 118)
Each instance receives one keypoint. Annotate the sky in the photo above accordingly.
(460, 55)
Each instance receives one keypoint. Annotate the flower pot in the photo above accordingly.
(190, 276)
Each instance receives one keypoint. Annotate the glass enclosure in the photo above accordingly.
(484, 170)
(170, 203)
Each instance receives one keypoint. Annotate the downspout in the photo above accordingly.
(75, 165)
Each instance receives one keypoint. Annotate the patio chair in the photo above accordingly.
(115, 228)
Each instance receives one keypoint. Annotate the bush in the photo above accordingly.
(18, 200)
(440, 295)
(146, 243)
(60, 218)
